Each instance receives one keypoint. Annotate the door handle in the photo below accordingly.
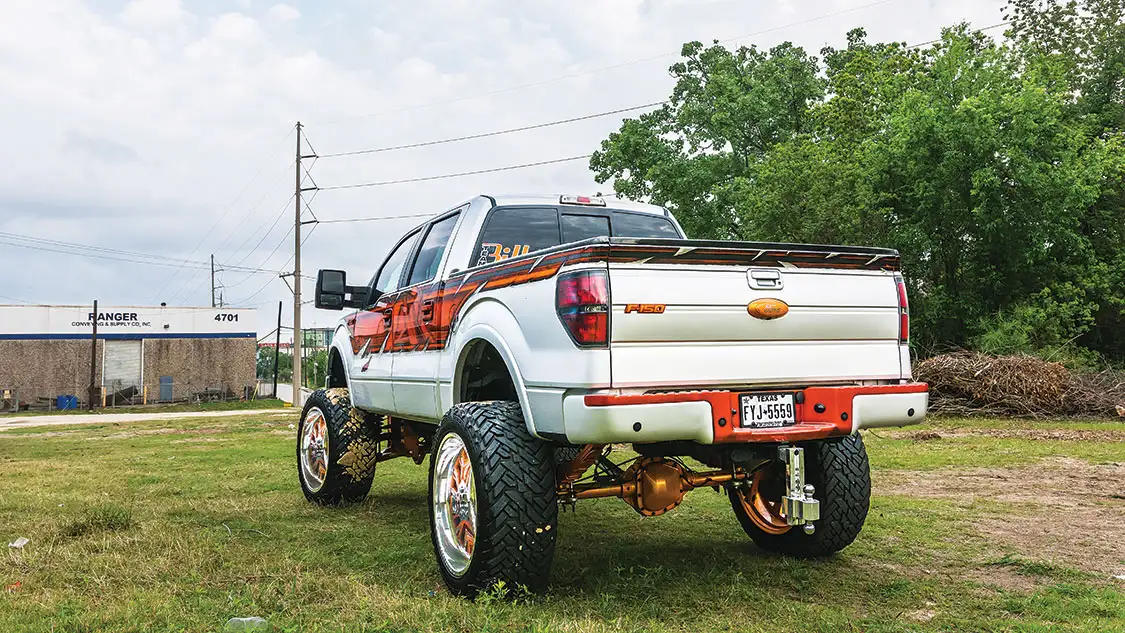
(387, 313)
(428, 310)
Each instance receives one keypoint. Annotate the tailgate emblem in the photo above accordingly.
(767, 309)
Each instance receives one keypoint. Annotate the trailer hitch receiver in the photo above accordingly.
(798, 505)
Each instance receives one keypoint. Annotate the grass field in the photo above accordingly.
(976, 526)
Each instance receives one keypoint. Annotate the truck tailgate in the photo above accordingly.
(680, 315)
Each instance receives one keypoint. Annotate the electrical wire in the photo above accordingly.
(226, 211)
(266, 285)
(456, 175)
(980, 30)
(471, 137)
(87, 247)
(385, 217)
(55, 248)
(601, 69)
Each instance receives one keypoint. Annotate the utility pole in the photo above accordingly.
(212, 280)
(277, 348)
(93, 357)
(296, 349)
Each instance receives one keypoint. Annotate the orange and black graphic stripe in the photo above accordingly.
(443, 300)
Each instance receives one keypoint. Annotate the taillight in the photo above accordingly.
(582, 301)
(903, 311)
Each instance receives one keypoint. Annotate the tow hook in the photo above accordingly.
(798, 505)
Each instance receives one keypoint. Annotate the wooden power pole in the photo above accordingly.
(212, 280)
(296, 349)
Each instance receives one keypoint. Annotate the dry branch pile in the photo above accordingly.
(968, 383)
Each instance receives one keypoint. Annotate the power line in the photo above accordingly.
(67, 248)
(87, 247)
(266, 285)
(456, 175)
(595, 71)
(284, 239)
(385, 217)
(981, 30)
(496, 133)
(186, 286)
(224, 214)
(16, 299)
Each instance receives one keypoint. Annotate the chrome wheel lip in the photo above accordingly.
(454, 505)
(313, 449)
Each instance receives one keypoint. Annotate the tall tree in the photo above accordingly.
(726, 111)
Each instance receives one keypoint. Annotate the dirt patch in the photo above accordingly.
(1057, 435)
(1076, 521)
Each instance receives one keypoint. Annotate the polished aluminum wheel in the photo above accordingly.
(455, 505)
(314, 450)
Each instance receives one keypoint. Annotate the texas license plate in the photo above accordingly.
(767, 410)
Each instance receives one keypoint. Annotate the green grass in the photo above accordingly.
(231, 405)
(178, 526)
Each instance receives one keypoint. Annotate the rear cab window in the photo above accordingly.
(513, 231)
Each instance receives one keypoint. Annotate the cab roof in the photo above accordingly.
(553, 199)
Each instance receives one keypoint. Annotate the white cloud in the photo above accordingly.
(284, 13)
(137, 130)
(154, 14)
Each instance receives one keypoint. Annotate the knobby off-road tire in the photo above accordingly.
(352, 446)
(840, 472)
(513, 483)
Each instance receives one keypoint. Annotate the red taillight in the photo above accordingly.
(582, 301)
(903, 311)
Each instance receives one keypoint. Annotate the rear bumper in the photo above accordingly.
(711, 417)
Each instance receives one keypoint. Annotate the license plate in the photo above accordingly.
(767, 410)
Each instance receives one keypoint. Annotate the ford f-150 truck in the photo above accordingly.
(520, 340)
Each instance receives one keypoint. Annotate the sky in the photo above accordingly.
(165, 127)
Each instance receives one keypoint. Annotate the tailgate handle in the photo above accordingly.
(765, 279)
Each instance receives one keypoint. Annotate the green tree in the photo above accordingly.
(265, 365)
(727, 110)
(993, 169)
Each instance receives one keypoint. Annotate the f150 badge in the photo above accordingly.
(767, 309)
(645, 308)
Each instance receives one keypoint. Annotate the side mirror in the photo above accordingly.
(334, 293)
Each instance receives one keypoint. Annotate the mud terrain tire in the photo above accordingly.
(840, 472)
(352, 442)
(516, 513)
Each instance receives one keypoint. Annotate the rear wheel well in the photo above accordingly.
(337, 377)
(485, 376)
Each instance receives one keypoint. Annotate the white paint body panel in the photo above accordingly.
(690, 421)
(841, 325)
(842, 328)
(876, 411)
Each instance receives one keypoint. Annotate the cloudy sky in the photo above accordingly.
(165, 126)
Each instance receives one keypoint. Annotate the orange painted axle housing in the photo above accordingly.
(653, 485)
(834, 420)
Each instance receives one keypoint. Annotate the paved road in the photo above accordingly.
(16, 422)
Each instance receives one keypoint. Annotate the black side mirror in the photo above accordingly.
(330, 289)
(334, 293)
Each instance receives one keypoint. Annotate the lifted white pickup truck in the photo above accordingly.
(514, 339)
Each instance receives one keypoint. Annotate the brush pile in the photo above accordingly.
(968, 383)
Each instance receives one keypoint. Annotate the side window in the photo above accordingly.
(576, 228)
(391, 273)
(515, 231)
(643, 225)
(429, 255)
